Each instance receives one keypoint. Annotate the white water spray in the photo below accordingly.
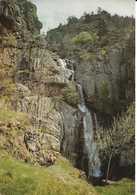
(67, 72)
(90, 147)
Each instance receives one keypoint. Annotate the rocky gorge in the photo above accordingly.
(57, 105)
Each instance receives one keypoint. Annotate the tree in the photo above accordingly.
(112, 141)
(72, 20)
(85, 38)
(87, 17)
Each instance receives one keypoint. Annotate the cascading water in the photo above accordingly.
(89, 122)
(90, 147)
(67, 72)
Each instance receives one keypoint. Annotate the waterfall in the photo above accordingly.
(90, 147)
(67, 72)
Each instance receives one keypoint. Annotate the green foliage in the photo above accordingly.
(88, 56)
(7, 85)
(7, 115)
(70, 95)
(29, 14)
(121, 132)
(7, 71)
(92, 30)
(84, 38)
(114, 139)
(104, 91)
(60, 179)
(104, 51)
(123, 187)
(12, 126)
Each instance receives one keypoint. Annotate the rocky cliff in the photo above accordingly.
(97, 43)
(101, 48)
(35, 81)
(41, 83)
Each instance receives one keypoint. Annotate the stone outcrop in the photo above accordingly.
(39, 77)
(101, 80)
(106, 80)
(71, 131)
(45, 117)
(39, 84)
(15, 16)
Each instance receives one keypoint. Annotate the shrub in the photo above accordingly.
(84, 38)
(7, 85)
(87, 56)
(103, 51)
(104, 90)
(70, 95)
(118, 138)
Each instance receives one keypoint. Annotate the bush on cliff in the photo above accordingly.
(84, 38)
(70, 95)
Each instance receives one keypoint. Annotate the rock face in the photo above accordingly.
(101, 80)
(40, 78)
(38, 92)
(106, 80)
(15, 15)
(45, 117)
(98, 45)
(43, 77)
(39, 66)
(71, 131)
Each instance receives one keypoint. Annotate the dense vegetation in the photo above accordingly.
(89, 41)
(90, 34)
(118, 142)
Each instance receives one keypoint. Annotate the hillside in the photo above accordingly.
(101, 48)
(66, 103)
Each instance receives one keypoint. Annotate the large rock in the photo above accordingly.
(71, 132)
(93, 75)
(45, 117)
(105, 82)
(39, 67)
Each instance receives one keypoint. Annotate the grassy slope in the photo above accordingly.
(123, 187)
(18, 178)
